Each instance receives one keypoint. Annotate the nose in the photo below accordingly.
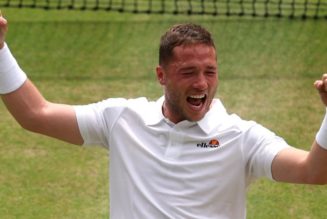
(200, 82)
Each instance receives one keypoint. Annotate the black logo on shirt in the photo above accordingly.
(213, 143)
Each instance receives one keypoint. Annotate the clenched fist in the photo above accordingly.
(3, 30)
(321, 86)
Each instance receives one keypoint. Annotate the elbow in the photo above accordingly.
(322, 181)
(317, 179)
(319, 182)
(31, 121)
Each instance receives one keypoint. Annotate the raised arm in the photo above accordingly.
(31, 110)
(299, 166)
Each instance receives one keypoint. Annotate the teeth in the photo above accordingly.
(198, 96)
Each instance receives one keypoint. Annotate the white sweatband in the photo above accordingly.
(321, 137)
(11, 75)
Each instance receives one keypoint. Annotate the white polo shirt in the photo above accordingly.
(188, 170)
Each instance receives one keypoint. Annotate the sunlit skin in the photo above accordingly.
(190, 81)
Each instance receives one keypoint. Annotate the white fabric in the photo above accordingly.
(321, 136)
(11, 75)
(162, 170)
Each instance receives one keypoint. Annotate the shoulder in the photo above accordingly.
(138, 107)
(119, 103)
(111, 107)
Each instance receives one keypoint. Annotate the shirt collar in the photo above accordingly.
(211, 120)
(214, 116)
(155, 115)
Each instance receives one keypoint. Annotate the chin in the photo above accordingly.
(196, 118)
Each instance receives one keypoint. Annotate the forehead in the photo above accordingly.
(195, 54)
(194, 51)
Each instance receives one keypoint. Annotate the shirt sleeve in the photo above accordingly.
(96, 120)
(260, 148)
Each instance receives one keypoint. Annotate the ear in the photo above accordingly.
(161, 76)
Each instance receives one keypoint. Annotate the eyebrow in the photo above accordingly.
(187, 68)
(211, 67)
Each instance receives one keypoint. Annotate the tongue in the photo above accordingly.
(194, 101)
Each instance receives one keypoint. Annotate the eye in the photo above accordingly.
(211, 73)
(188, 72)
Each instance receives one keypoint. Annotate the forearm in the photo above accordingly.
(317, 157)
(315, 162)
(34, 113)
(316, 167)
(19, 95)
(25, 104)
(31, 110)
(299, 166)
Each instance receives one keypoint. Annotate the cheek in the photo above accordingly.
(214, 85)
(174, 90)
(214, 82)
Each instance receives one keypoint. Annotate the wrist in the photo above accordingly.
(11, 75)
(321, 137)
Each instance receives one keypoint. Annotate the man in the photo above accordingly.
(181, 156)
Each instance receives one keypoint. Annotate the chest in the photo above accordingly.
(178, 168)
(182, 150)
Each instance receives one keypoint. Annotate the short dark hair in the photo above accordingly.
(182, 34)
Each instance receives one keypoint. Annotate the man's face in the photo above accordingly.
(190, 82)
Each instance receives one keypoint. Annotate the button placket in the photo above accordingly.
(175, 142)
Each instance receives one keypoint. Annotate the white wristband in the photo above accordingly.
(11, 75)
(321, 137)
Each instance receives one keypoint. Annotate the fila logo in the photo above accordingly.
(213, 143)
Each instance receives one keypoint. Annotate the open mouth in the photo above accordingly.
(196, 101)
